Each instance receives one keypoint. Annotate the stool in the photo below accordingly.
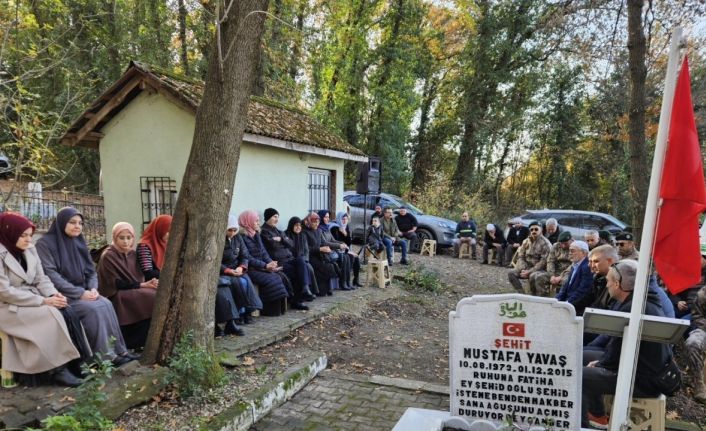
(378, 273)
(428, 247)
(464, 250)
(646, 413)
(7, 378)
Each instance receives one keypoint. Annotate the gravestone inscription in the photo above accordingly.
(516, 358)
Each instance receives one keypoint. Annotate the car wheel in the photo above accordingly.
(422, 234)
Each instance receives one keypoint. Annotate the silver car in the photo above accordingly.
(429, 227)
(576, 221)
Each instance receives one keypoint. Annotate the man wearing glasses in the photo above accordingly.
(625, 243)
(531, 258)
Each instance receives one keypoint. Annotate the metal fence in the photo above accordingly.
(41, 208)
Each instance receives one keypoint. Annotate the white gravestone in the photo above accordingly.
(516, 357)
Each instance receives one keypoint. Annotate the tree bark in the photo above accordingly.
(184, 51)
(639, 182)
(187, 288)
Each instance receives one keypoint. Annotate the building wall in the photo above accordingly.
(152, 137)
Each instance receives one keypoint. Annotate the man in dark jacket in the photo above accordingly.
(515, 236)
(600, 375)
(552, 230)
(494, 239)
(696, 342)
(407, 224)
(279, 246)
(465, 234)
(580, 281)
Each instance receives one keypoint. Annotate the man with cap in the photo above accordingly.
(544, 283)
(625, 243)
(531, 257)
(580, 282)
(494, 239)
(696, 341)
(407, 224)
(515, 236)
(465, 234)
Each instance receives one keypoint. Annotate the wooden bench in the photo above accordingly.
(428, 247)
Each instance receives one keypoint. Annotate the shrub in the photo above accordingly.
(193, 370)
(420, 278)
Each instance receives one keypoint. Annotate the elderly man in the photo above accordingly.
(465, 234)
(407, 224)
(391, 236)
(531, 257)
(552, 230)
(601, 372)
(592, 238)
(515, 236)
(625, 243)
(494, 239)
(580, 282)
(696, 341)
(558, 262)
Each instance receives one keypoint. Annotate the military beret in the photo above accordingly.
(604, 235)
(534, 223)
(625, 236)
(564, 236)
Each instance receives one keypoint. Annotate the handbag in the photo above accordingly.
(669, 379)
(331, 257)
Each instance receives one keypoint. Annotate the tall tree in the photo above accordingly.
(637, 48)
(186, 297)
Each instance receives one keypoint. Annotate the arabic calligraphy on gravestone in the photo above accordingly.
(516, 357)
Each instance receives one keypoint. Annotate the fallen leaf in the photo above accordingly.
(248, 361)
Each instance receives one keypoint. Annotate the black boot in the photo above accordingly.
(306, 294)
(63, 376)
(232, 329)
(218, 332)
(298, 306)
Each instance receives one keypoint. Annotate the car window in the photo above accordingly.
(594, 222)
(573, 220)
(355, 200)
(387, 203)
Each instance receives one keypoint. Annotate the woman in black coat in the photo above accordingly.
(325, 269)
(341, 232)
(300, 248)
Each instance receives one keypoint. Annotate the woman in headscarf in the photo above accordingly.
(300, 248)
(343, 259)
(233, 275)
(263, 271)
(38, 337)
(153, 246)
(122, 282)
(341, 232)
(67, 261)
(326, 271)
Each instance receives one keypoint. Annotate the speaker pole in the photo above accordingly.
(365, 229)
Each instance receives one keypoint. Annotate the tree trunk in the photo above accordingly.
(187, 288)
(425, 150)
(184, 51)
(639, 182)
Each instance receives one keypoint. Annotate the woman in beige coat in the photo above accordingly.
(38, 338)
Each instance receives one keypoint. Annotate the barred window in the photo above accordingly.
(159, 196)
(321, 185)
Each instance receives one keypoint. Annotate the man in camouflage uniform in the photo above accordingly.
(531, 257)
(696, 342)
(625, 243)
(547, 283)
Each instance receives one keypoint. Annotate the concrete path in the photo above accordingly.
(333, 401)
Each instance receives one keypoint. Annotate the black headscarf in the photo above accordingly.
(72, 256)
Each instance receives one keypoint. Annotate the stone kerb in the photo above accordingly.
(515, 358)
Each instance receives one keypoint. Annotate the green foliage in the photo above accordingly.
(442, 199)
(193, 370)
(418, 278)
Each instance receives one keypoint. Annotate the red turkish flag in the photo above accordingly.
(677, 251)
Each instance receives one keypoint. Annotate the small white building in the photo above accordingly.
(143, 126)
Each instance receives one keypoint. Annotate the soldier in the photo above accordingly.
(531, 257)
(696, 342)
(546, 283)
(625, 243)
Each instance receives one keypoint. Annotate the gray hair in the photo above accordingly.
(605, 251)
(625, 272)
(590, 233)
(551, 222)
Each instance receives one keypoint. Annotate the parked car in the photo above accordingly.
(430, 227)
(576, 221)
(5, 166)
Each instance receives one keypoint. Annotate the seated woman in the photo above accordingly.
(121, 281)
(38, 338)
(261, 268)
(150, 256)
(233, 275)
(300, 248)
(67, 262)
(278, 246)
(341, 232)
(340, 249)
(320, 256)
(153, 246)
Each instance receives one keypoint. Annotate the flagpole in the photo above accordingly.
(631, 334)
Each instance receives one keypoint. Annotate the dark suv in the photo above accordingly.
(429, 227)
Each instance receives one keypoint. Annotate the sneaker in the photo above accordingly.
(598, 422)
